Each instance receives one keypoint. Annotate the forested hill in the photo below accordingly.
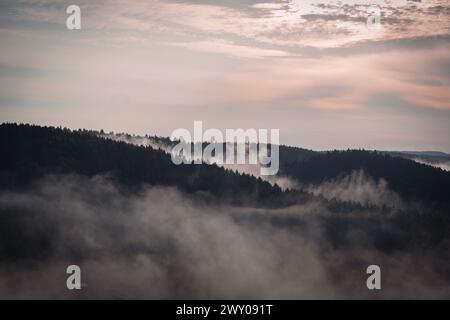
(413, 181)
(30, 152)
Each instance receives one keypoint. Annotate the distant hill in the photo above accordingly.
(30, 152)
(431, 158)
(405, 172)
(411, 180)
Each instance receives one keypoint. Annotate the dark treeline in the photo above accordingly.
(413, 181)
(30, 152)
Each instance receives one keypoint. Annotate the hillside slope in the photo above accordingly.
(31, 152)
(411, 180)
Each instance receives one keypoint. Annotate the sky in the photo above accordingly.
(313, 69)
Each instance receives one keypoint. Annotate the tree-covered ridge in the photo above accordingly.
(413, 181)
(30, 152)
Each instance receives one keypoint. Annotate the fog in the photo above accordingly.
(163, 244)
(282, 181)
(444, 165)
(358, 187)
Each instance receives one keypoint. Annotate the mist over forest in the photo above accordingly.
(141, 227)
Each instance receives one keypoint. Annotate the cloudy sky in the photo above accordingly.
(311, 68)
